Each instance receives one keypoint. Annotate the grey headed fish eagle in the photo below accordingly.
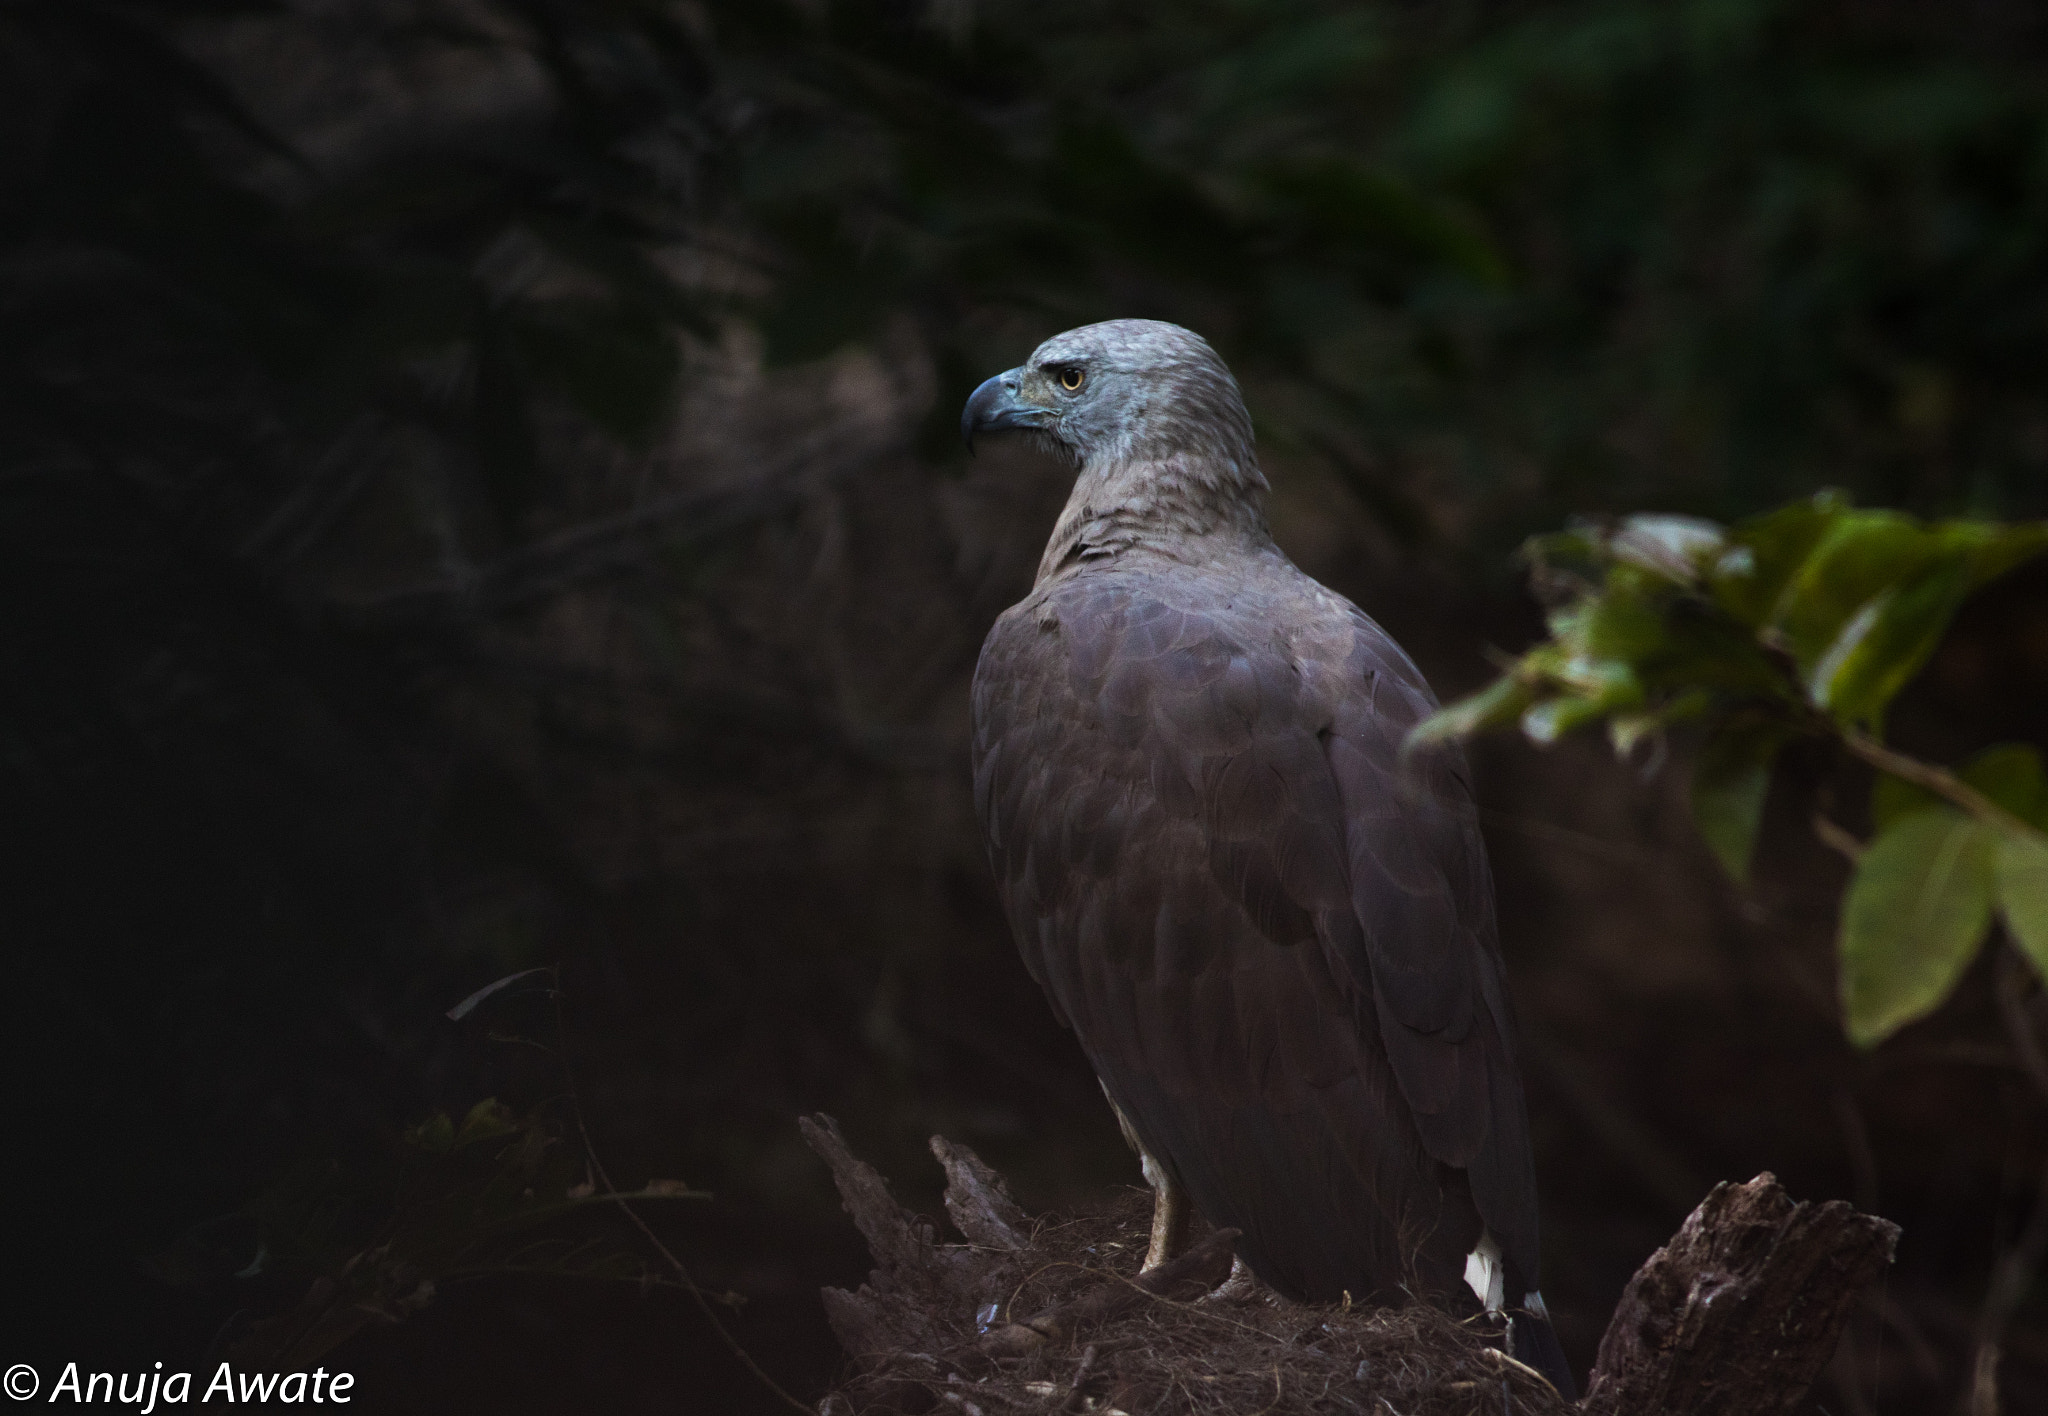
(1272, 934)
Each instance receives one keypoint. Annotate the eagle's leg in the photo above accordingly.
(1171, 1212)
(1171, 1209)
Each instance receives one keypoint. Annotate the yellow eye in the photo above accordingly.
(1070, 379)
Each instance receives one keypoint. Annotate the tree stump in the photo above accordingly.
(1741, 1310)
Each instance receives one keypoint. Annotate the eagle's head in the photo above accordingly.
(1119, 393)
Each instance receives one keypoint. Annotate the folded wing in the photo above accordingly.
(1275, 943)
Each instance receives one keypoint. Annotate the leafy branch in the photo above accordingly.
(1805, 622)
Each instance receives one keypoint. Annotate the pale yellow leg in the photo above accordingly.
(1172, 1211)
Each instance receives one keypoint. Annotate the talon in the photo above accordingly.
(1242, 1286)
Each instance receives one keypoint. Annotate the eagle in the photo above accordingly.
(1270, 930)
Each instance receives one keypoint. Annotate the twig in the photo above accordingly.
(1073, 1399)
(1099, 1304)
(1276, 1392)
(604, 1179)
(2014, 1274)
(2013, 975)
(2010, 1280)
(1938, 780)
(1502, 1359)
(1836, 838)
(988, 1392)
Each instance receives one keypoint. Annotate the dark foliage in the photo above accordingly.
(477, 491)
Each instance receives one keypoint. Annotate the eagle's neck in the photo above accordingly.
(1185, 506)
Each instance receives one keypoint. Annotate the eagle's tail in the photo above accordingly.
(1531, 1339)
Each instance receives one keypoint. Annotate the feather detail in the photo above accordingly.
(1274, 940)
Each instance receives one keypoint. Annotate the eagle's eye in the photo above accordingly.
(1071, 379)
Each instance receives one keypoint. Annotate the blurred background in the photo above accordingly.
(480, 491)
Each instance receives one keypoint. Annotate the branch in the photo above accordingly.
(2013, 978)
(1837, 838)
(2010, 1281)
(1940, 781)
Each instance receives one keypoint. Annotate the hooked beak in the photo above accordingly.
(995, 408)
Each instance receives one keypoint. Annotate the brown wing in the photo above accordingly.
(1279, 958)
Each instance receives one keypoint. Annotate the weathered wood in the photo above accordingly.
(893, 1236)
(978, 1199)
(1741, 1310)
(900, 1307)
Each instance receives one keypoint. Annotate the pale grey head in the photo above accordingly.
(1126, 390)
(1153, 421)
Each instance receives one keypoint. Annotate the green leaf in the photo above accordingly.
(1494, 706)
(1729, 783)
(436, 1134)
(1678, 548)
(1580, 547)
(1913, 919)
(2005, 548)
(1609, 684)
(2010, 774)
(1863, 555)
(1625, 730)
(1554, 717)
(1886, 642)
(1710, 654)
(1893, 799)
(1765, 552)
(1622, 622)
(1875, 596)
(2023, 895)
(489, 1118)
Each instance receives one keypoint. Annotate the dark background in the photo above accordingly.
(479, 491)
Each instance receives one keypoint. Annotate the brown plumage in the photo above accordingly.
(1273, 937)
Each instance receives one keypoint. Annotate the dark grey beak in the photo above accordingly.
(995, 408)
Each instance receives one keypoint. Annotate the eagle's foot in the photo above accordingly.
(1242, 1286)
